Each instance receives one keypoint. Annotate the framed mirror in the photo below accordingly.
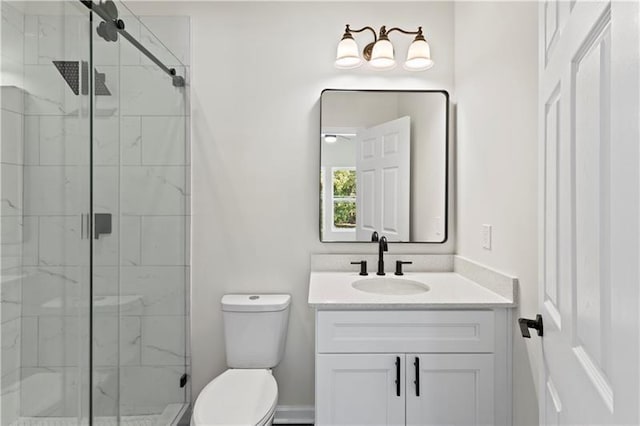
(384, 165)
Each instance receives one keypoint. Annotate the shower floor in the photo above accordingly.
(169, 417)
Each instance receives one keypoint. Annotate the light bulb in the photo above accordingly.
(347, 56)
(382, 56)
(418, 56)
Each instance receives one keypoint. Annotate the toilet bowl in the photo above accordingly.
(237, 397)
(255, 330)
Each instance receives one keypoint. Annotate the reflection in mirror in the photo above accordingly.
(383, 165)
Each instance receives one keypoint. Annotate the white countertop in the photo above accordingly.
(333, 290)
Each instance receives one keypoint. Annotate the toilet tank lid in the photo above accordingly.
(255, 302)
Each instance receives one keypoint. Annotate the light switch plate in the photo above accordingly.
(486, 237)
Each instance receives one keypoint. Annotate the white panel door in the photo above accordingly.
(360, 389)
(450, 389)
(383, 179)
(589, 192)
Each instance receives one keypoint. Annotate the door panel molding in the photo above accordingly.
(589, 183)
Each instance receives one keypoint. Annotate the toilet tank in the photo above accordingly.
(255, 329)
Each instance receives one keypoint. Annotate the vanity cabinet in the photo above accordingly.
(430, 367)
(359, 389)
(451, 389)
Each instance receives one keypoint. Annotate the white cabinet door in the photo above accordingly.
(449, 389)
(360, 389)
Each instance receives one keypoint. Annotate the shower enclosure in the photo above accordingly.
(94, 166)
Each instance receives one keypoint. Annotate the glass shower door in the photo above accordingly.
(141, 199)
(45, 164)
(94, 219)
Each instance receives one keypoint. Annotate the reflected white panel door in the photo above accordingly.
(451, 389)
(382, 180)
(589, 191)
(359, 389)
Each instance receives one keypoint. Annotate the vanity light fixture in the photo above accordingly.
(380, 53)
(333, 137)
(330, 138)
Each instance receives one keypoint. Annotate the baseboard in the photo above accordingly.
(294, 414)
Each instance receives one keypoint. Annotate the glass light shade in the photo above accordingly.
(418, 56)
(382, 55)
(347, 55)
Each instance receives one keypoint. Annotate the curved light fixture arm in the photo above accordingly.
(366, 52)
(418, 32)
(375, 37)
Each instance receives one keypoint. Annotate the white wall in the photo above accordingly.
(428, 197)
(354, 110)
(258, 70)
(496, 97)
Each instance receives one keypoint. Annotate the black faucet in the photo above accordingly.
(382, 247)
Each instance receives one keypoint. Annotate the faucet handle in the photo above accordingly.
(399, 264)
(374, 237)
(363, 267)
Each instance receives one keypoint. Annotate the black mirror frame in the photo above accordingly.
(446, 166)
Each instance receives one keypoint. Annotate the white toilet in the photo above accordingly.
(255, 332)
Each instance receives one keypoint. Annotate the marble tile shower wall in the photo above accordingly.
(141, 176)
(12, 166)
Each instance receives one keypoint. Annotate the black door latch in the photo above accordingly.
(526, 324)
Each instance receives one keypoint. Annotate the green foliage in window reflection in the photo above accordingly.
(344, 183)
(344, 214)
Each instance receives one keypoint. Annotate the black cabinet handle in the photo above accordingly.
(363, 267)
(399, 264)
(526, 324)
(416, 364)
(397, 376)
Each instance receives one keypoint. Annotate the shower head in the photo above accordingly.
(100, 88)
(72, 71)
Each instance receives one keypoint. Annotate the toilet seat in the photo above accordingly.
(237, 397)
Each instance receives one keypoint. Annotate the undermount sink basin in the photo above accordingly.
(390, 286)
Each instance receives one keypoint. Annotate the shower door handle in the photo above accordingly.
(101, 224)
(85, 226)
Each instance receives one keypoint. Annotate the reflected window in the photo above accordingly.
(343, 180)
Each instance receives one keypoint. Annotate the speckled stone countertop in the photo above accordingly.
(467, 285)
(334, 290)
